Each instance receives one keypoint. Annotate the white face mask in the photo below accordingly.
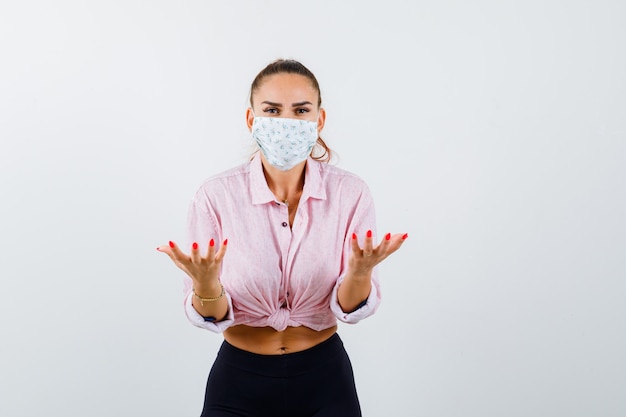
(284, 142)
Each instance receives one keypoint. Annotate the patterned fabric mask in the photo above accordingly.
(284, 142)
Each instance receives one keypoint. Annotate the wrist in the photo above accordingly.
(208, 289)
(359, 276)
(204, 300)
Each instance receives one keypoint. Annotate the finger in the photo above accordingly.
(221, 251)
(178, 255)
(210, 253)
(356, 249)
(175, 254)
(164, 248)
(167, 248)
(384, 243)
(195, 253)
(395, 242)
(400, 237)
(368, 245)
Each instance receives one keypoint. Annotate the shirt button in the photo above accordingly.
(284, 224)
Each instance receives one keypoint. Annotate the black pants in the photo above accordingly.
(317, 382)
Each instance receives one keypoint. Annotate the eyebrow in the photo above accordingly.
(298, 104)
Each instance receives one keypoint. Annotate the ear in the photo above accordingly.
(249, 118)
(321, 120)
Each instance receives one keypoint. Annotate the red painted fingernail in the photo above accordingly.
(211, 243)
(225, 242)
(195, 246)
(171, 244)
(369, 233)
(388, 236)
(404, 236)
(353, 235)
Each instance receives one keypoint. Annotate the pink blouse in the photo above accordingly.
(275, 275)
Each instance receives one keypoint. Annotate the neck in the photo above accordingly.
(286, 185)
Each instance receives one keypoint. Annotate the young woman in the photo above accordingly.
(300, 237)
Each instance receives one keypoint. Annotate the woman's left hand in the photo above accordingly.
(364, 259)
(357, 283)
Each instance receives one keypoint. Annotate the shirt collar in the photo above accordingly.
(260, 192)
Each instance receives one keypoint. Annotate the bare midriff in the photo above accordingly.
(268, 341)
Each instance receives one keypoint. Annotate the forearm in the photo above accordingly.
(217, 308)
(354, 289)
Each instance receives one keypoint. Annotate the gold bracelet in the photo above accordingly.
(208, 300)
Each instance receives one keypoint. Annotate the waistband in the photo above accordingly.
(279, 365)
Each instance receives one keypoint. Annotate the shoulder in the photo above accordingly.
(334, 176)
(225, 180)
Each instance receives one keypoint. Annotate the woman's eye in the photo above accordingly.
(302, 111)
(271, 110)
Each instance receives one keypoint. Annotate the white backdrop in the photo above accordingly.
(493, 132)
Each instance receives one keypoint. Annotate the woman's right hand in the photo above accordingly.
(203, 270)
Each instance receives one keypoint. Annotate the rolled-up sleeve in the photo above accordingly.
(362, 220)
(368, 308)
(202, 226)
(214, 326)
